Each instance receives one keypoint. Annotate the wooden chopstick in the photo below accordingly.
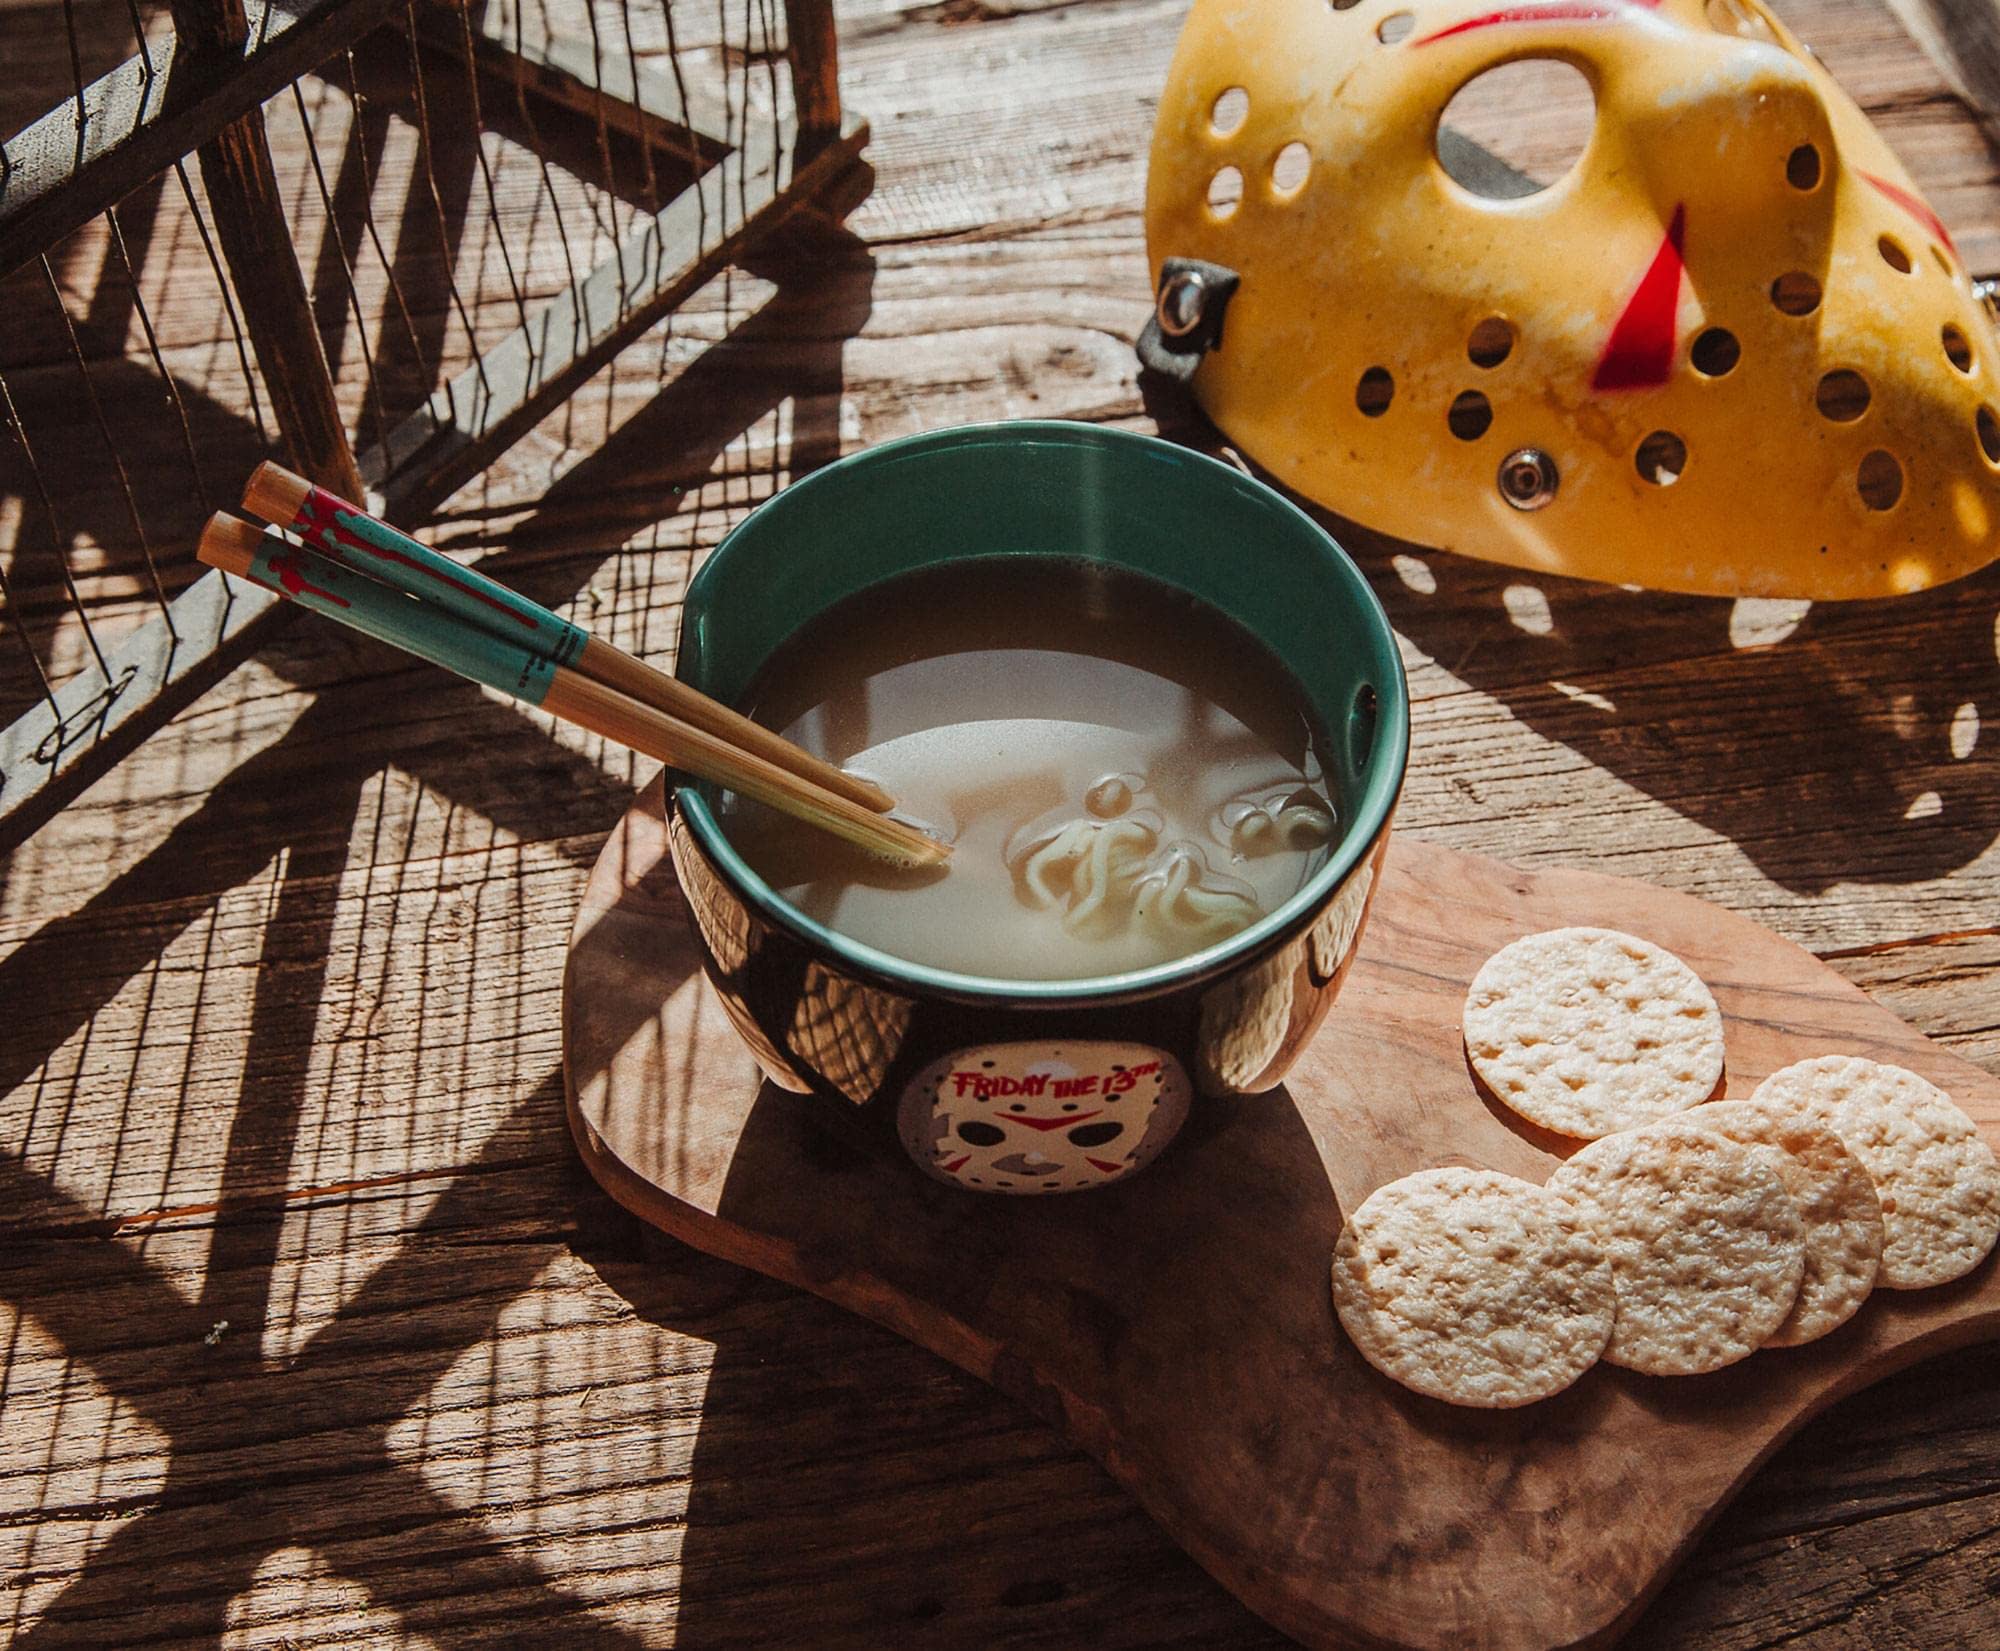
(438, 635)
(369, 545)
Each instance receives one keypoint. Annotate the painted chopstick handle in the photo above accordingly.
(372, 546)
(433, 633)
(349, 534)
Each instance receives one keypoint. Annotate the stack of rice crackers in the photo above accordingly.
(1688, 1233)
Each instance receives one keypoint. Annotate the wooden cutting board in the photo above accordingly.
(1179, 1326)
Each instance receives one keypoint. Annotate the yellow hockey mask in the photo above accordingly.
(1732, 351)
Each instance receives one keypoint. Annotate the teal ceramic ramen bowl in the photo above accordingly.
(902, 1051)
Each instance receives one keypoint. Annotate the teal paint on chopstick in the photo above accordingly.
(381, 551)
(399, 619)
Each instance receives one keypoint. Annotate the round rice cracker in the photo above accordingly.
(1473, 1287)
(1588, 1031)
(1707, 1248)
(1836, 1199)
(1937, 1179)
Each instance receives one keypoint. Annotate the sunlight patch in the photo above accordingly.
(1528, 607)
(568, 1432)
(296, 1598)
(1761, 621)
(75, 1463)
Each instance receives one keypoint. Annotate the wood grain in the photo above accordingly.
(300, 956)
(1181, 1329)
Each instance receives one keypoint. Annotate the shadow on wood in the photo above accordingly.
(1815, 738)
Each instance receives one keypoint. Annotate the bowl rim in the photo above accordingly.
(1385, 765)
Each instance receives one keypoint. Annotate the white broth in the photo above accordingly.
(1125, 775)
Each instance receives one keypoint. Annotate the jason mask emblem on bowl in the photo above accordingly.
(1730, 351)
(1030, 1118)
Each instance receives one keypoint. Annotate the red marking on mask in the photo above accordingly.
(317, 519)
(293, 577)
(956, 1164)
(1640, 353)
(1043, 1123)
(1100, 1164)
(1917, 208)
(1559, 11)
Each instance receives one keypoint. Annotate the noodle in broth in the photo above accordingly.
(1126, 776)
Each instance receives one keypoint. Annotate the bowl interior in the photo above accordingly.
(1079, 492)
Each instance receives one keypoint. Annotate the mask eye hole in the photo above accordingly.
(981, 1134)
(1396, 26)
(1095, 1135)
(1515, 129)
(1987, 424)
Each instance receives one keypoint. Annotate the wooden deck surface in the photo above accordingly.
(312, 1331)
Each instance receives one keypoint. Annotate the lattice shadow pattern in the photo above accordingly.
(422, 226)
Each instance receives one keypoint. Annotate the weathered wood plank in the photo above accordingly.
(208, 627)
(688, 1455)
(730, 208)
(595, 81)
(54, 751)
(68, 167)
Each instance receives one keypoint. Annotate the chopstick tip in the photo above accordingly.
(229, 543)
(275, 493)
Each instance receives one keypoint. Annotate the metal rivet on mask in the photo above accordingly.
(1528, 478)
(1988, 294)
(1182, 298)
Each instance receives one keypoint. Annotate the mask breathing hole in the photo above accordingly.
(1802, 167)
(1396, 26)
(1956, 350)
(1289, 168)
(1893, 254)
(1942, 262)
(1715, 352)
(1492, 341)
(1375, 391)
(1795, 293)
(1470, 416)
(1842, 396)
(1661, 458)
(1225, 189)
(1987, 423)
(1489, 148)
(1232, 109)
(1343, 5)
(1880, 479)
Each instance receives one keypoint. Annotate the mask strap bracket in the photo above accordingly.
(1187, 316)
